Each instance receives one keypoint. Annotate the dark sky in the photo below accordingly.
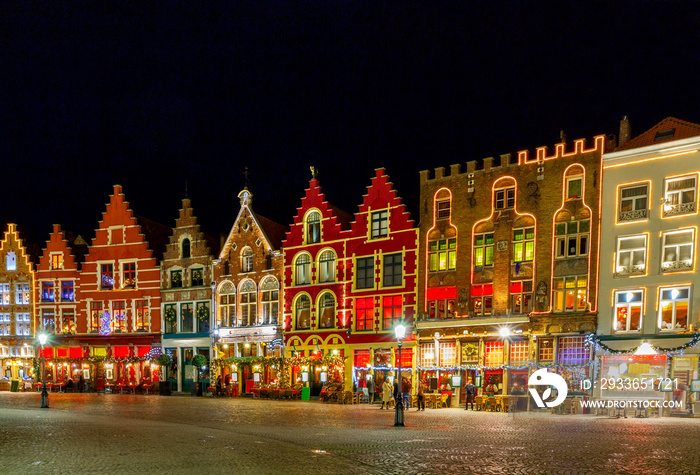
(152, 96)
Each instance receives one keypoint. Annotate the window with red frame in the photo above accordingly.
(482, 299)
(361, 359)
(406, 357)
(364, 313)
(119, 316)
(141, 315)
(392, 311)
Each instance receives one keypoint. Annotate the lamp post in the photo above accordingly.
(400, 331)
(44, 394)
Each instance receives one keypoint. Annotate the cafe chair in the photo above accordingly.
(479, 401)
(443, 400)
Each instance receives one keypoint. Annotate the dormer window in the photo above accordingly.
(185, 248)
(380, 224)
(56, 261)
(313, 227)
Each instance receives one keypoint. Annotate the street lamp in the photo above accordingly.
(44, 394)
(400, 331)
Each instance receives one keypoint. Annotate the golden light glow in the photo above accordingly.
(559, 152)
(427, 246)
(684, 215)
(659, 157)
(617, 202)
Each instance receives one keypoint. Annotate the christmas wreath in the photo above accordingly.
(170, 314)
(203, 312)
(199, 360)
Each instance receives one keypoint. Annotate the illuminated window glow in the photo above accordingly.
(313, 228)
(483, 250)
(570, 293)
(442, 254)
(326, 267)
(674, 308)
(633, 202)
(327, 316)
(392, 310)
(302, 269)
(364, 314)
(482, 299)
(680, 196)
(678, 250)
(523, 244)
(521, 297)
(380, 224)
(572, 239)
(628, 310)
(631, 255)
(302, 312)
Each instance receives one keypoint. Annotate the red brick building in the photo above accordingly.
(347, 284)
(117, 318)
(509, 265)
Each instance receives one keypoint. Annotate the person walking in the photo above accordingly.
(421, 396)
(386, 393)
(471, 393)
(370, 389)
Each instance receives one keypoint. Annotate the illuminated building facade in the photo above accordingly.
(186, 296)
(248, 275)
(347, 284)
(16, 308)
(649, 238)
(508, 267)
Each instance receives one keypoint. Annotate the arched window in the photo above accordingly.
(269, 300)
(327, 314)
(247, 260)
(248, 303)
(302, 269)
(313, 227)
(302, 312)
(326, 266)
(185, 248)
(227, 305)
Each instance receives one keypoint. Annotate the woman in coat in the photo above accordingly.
(387, 389)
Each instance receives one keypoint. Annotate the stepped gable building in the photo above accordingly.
(58, 304)
(248, 275)
(16, 307)
(348, 284)
(650, 299)
(508, 269)
(186, 295)
(119, 300)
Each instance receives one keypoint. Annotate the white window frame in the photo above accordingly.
(568, 187)
(578, 236)
(673, 199)
(633, 267)
(674, 302)
(4, 293)
(637, 211)
(625, 299)
(5, 324)
(380, 225)
(668, 265)
(247, 259)
(22, 293)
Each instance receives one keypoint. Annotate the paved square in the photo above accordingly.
(90, 433)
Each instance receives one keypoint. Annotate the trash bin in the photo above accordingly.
(164, 387)
(196, 388)
(305, 394)
(14, 386)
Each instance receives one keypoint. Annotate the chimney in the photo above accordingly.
(625, 131)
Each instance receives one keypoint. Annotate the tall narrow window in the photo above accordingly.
(247, 260)
(483, 250)
(680, 196)
(227, 305)
(175, 279)
(302, 312)
(570, 293)
(197, 277)
(365, 273)
(170, 314)
(128, 275)
(523, 244)
(327, 317)
(95, 316)
(631, 255)
(482, 299)
(393, 266)
(678, 250)
(505, 198)
(326, 267)
(68, 322)
(572, 238)
(380, 224)
(270, 300)
(5, 324)
(673, 308)
(248, 303)
(48, 321)
(67, 293)
(203, 316)
(633, 202)
(5, 294)
(106, 276)
(119, 316)
(24, 324)
(22, 294)
(57, 261)
(141, 315)
(628, 310)
(313, 227)
(521, 297)
(443, 209)
(185, 248)
(186, 318)
(392, 309)
(47, 292)
(364, 314)
(302, 269)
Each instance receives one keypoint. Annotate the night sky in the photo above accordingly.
(150, 97)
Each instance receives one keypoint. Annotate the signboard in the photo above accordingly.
(695, 386)
(456, 381)
(234, 377)
(324, 376)
(256, 377)
(305, 377)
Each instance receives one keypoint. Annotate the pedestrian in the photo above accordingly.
(421, 396)
(386, 393)
(81, 383)
(370, 388)
(406, 390)
(218, 386)
(470, 389)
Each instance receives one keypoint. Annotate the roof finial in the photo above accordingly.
(186, 189)
(314, 172)
(245, 173)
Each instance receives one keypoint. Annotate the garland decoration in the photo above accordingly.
(203, 312)
(594, 341)
(170, 314)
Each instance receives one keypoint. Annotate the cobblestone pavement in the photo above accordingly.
(90, 433)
